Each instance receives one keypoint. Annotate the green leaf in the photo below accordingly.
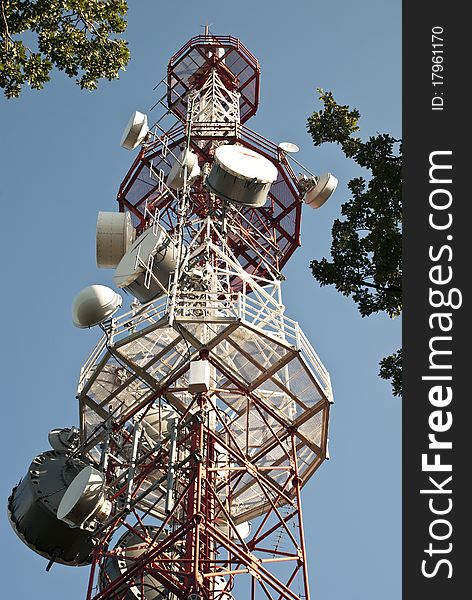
(366, 248)
(78, 37)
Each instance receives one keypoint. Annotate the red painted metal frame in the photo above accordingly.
(272, 231)
(186, 560)
(200, 47)
(261, 239)
(198, 540)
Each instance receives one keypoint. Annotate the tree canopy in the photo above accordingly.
(78, 37)
(366, 257)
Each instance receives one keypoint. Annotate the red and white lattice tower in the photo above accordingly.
(203, 410)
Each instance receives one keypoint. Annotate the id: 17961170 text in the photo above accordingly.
(437, 68)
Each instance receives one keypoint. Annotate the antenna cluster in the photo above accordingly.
(204, 409)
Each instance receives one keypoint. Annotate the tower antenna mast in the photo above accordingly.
(204, 409)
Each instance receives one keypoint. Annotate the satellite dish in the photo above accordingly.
(115, 235)
(289, 147)
(145, 269)
(241, 175)
(33, 505)
(84, 499)
(128, 550)
(175, 179)
(94, 304)
(65, 439)
(244, 529)
(156, 422)
(135, 132)
(317, 195)
(220, 586)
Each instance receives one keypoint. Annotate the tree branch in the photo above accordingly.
(388, 290)
(7, 32)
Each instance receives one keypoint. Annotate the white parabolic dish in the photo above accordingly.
(83, 498)
(135, 132)
(175, 179)
(324, 188)
(245, 163)
(115, 235)
(289, 147)
(144, 246)
(145, 269)
(94, 304)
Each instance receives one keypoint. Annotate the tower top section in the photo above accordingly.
(192, 66)
(200, 160)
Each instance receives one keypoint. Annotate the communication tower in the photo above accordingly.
(204, 409)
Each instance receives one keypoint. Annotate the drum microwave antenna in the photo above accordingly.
(204, 409)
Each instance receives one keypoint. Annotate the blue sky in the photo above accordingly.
(61, 164)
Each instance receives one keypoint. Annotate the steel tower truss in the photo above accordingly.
(186, 470)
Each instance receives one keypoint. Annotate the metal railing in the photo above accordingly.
(207, 307)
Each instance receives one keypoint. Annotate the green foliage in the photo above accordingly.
(391, 368)
(366, 258)
(335, 123)
(77, 37)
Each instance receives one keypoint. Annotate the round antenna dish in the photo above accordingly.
(321, 191)
(131, 547)
(145, 269)
(135, 132)
(241, 175)
(289, 147)
(175, 179)
(33, 505)
(156, 422)
(220, 585)
(94, 304)
(84, 499)
(244, 529)
(64, 440)
(115, 235)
